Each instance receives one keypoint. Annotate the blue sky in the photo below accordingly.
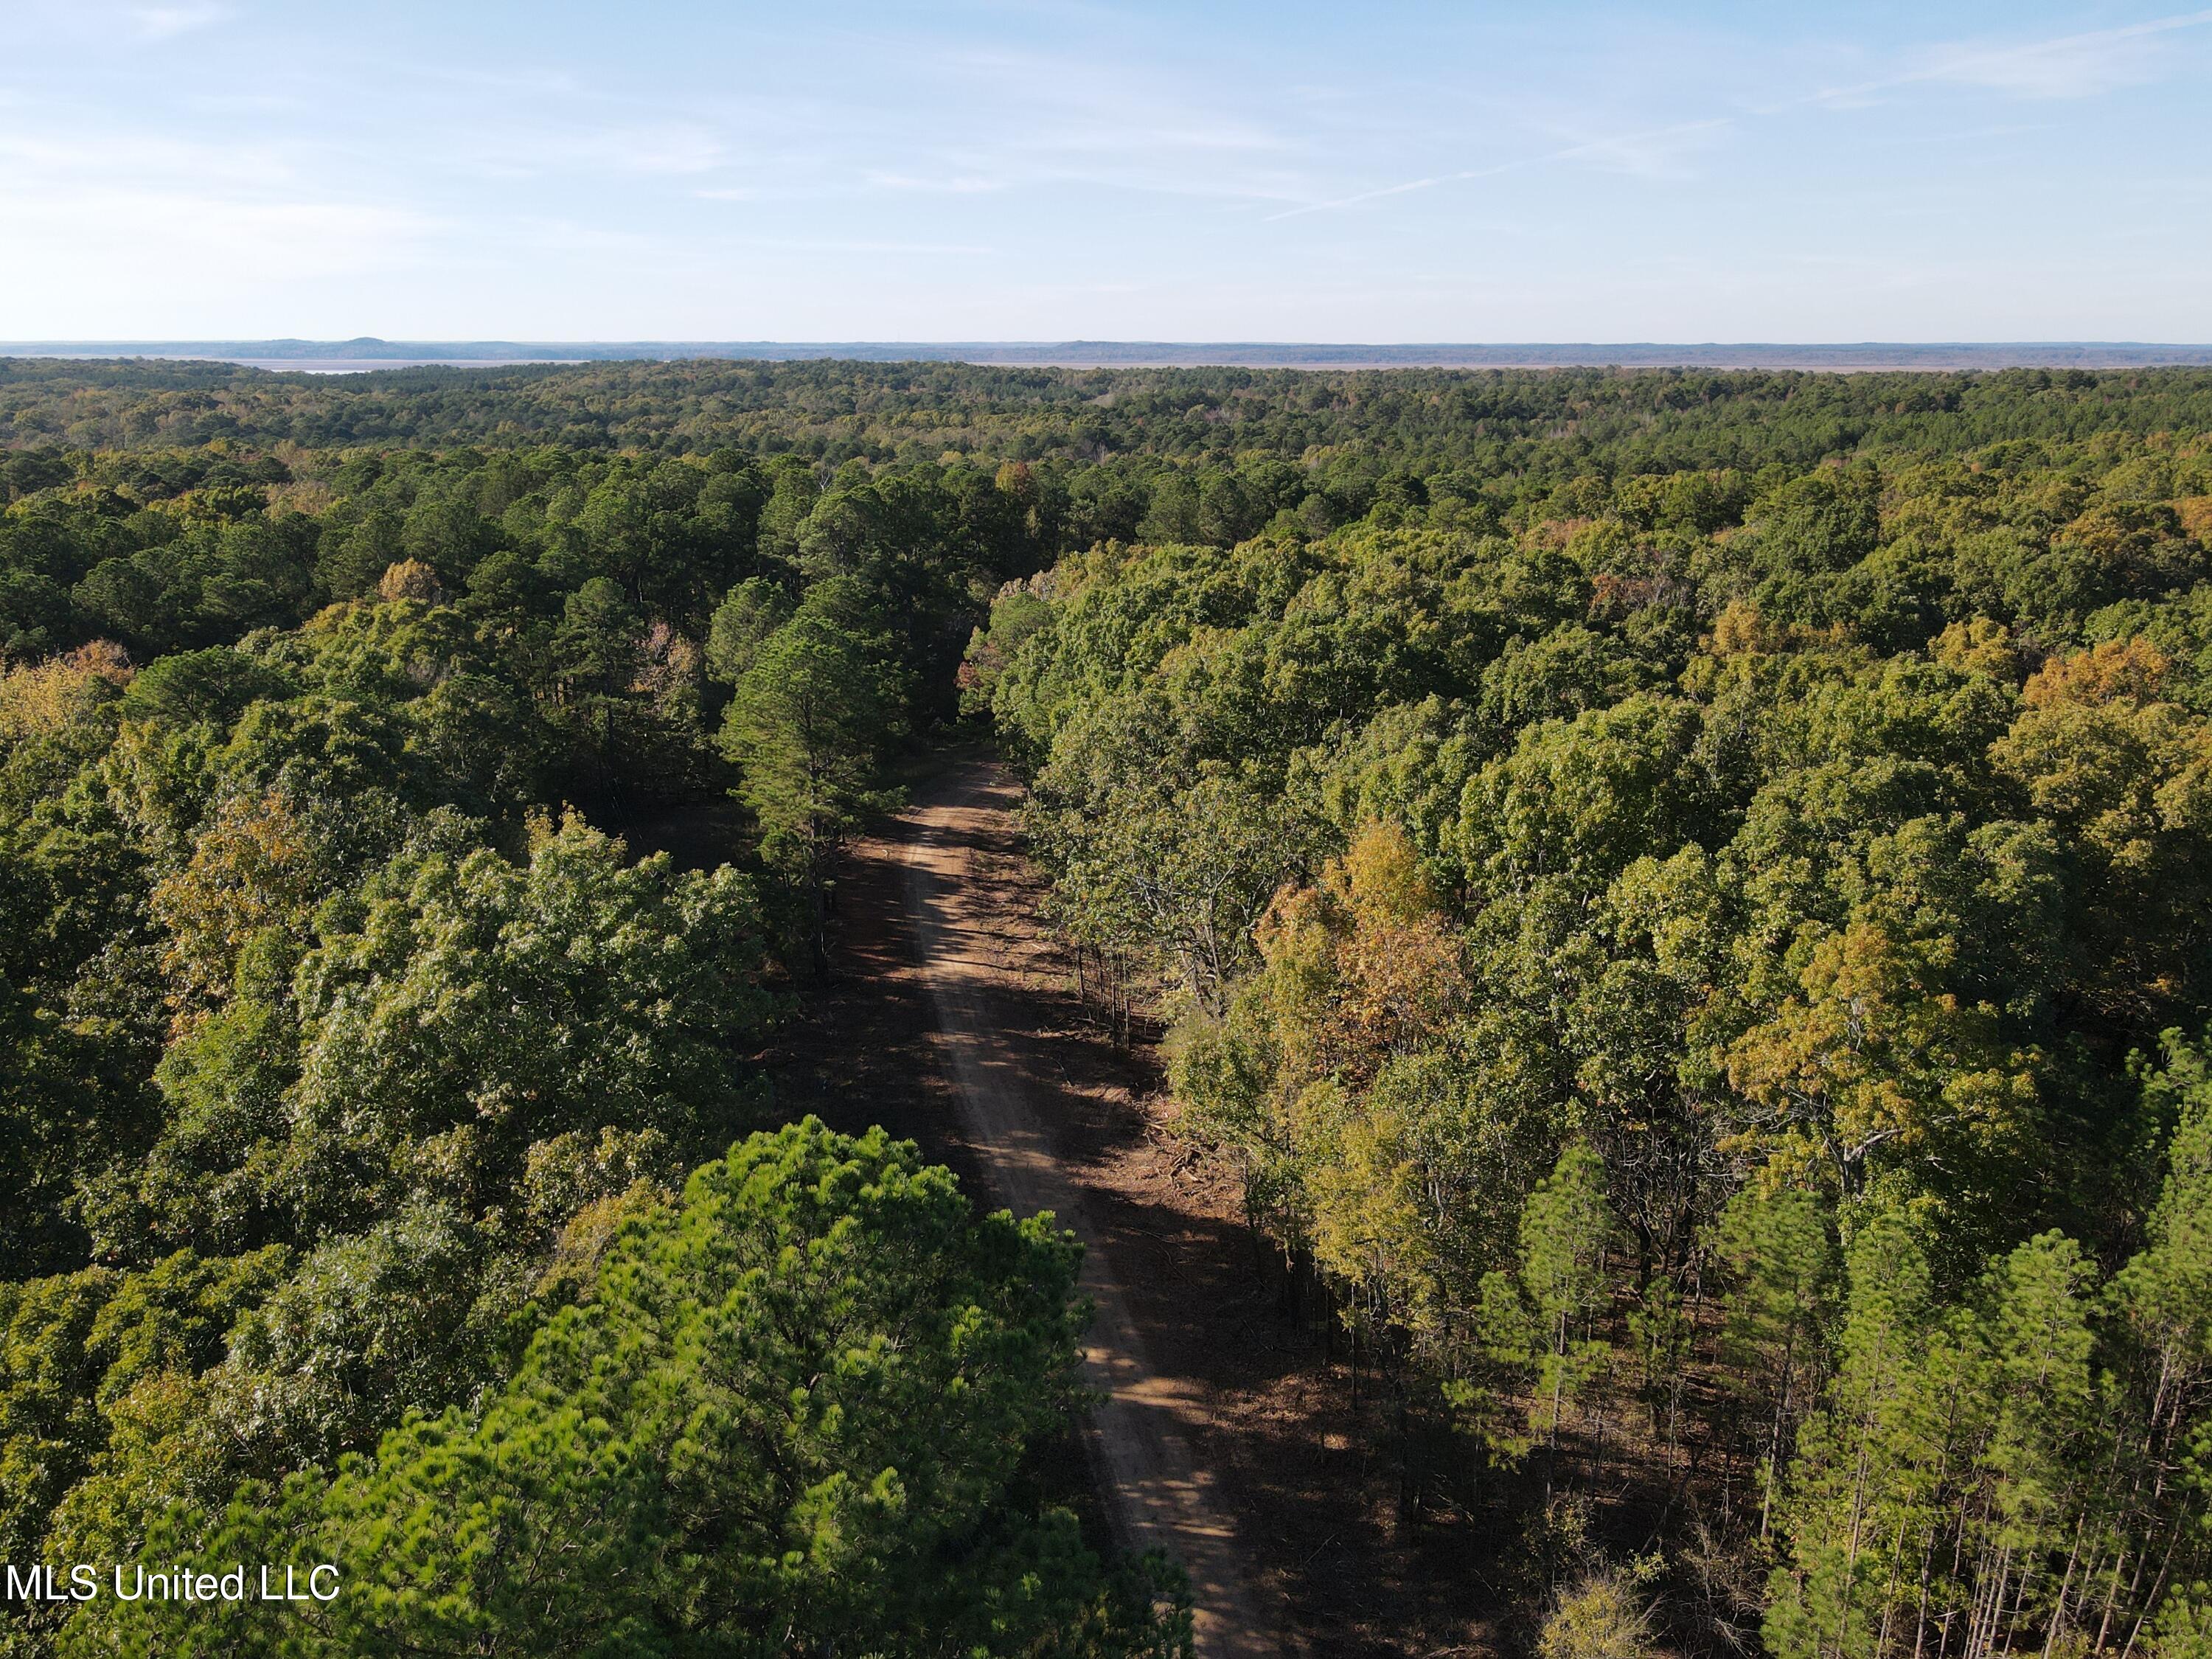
(1807, 172)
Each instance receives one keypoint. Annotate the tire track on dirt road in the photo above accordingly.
(1157, 1492)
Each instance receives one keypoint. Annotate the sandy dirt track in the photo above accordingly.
(1156, 1491)
(949, 1017)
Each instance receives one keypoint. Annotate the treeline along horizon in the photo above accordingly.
(1684, 895)
(1497, 420)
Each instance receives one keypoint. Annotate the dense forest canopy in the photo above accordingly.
(1710, 971)
(1495, 422)
(1684, 896)
(354, 1067)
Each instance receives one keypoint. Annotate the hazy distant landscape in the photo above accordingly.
(343, 357)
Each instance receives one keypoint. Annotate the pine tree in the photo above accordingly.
(2037, 1400)
(2161, 1459)
(1781, 1264)
(1539, 1319)
(1866, 1463)
(808, 726)
(791, 1418)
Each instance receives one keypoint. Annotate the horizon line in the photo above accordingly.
(369, 352)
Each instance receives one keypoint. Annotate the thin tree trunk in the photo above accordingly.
(2065, 1584)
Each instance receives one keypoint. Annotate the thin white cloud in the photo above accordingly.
(538, 234)
(119, 237)
(115, 213)
(139, 158)
(2062, 67)
(814, 245)
(1061, 118)
(948, 184)
(2067, 66)
(156, 23)
(1650, 153)
(675, 148)
(2070, 66)
(557, 83)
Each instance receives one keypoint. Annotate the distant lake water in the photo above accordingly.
(365, 365)
(297, 365)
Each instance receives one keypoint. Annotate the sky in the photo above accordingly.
(1359, 173)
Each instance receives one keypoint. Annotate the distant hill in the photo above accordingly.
(367, 351)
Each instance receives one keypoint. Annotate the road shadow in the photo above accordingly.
(1263, 1391)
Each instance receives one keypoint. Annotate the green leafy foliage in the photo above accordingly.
(1684, 894)
(1538, 1317)
(1686, 934)
(340, 1043)
(794, 1414)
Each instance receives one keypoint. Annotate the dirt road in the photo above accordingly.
(1235, 1433)
(1156, 1491)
